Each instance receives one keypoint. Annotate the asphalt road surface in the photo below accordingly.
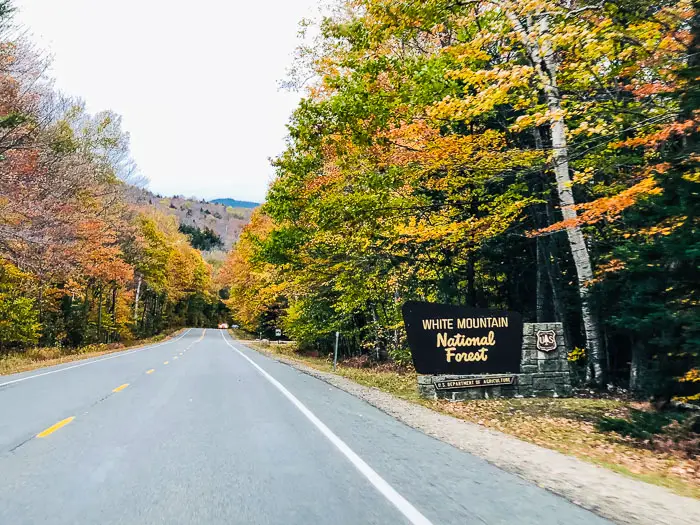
(201, 429)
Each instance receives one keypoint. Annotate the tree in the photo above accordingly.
(18, 316)
(441, 149)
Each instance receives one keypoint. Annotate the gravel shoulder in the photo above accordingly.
(613, 496)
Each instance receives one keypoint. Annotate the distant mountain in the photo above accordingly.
(225, 217)
(235, 203)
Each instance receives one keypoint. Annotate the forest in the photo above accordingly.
(540, 157)
(202, 239)
(78, 264)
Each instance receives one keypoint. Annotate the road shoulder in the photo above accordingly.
(606, 493)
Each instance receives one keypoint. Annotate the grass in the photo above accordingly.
(624, 436)
(402, 385)
(33, 358)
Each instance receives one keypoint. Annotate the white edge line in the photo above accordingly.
(403, 505)
(120, 354)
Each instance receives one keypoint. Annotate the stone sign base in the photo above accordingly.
(543, 373)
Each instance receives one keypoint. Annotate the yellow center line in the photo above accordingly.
(180, 353)
(150, 371)
(54, 428)
(120, 387)
(165, 362)
(174, 357)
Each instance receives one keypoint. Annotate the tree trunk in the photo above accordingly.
(113, 329)
(86, 306)
(379, 353)
(114, 305)
(154, 314)
(471, 285)
(40, 302)
(143, 314)
(538, 45)
(638, 367)
(99, 315)
(136, 300)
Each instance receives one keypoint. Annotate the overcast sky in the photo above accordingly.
(196, 82)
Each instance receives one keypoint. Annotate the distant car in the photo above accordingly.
(234, 326)
(223, 325)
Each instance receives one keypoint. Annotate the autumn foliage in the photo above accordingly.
(79, 265)
(537, 156)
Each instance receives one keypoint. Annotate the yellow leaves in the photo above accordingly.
(693, 176)
(423, 148)
(576, 355)
(583, 176)
(688, 399)
(667, 227)
(588, 129)
(523, 122)
(484, 90)
(253, 286)
(691, 376)
(442, 227)
(537, 118)
(9, 273)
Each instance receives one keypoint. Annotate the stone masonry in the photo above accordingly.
(542, 374)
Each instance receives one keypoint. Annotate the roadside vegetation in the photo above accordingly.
(16, 361)
(614, 431)
(539, 157)
(79, 265)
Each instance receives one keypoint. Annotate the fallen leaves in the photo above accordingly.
(568, 426)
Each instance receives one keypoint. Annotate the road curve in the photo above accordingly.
(201, 429)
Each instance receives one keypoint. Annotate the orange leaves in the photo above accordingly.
(670, 130)
(252, 287)
(422, 146)
(653, 88)
(607, 207)
(99, 255)
(609, 267)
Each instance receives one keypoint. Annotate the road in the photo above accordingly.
(201, 429)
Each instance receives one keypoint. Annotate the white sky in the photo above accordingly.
(196, 82)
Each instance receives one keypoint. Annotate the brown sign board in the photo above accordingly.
(458, 340)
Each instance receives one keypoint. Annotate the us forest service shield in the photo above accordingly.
(448, 339)
(546, 340)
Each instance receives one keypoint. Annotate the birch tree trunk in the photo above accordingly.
(536, 37)
(638, 367)
(99, 315)
(136, 300)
